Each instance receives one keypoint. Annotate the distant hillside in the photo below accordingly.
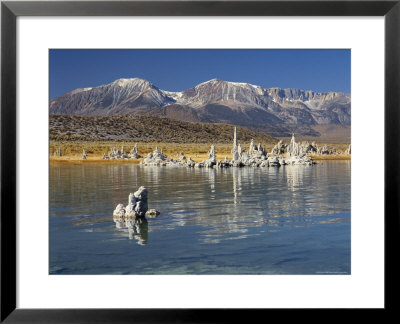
(142, 128)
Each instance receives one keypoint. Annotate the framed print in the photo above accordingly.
(195, 161)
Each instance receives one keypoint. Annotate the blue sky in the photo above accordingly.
(177, 70)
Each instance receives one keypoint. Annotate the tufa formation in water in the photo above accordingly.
(119, 154)
(133, 215)
(137, 206)
(256, 156)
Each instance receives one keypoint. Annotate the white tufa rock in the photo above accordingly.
(137, 203)
(134, 153)
(119, 211)
(211, 155)
(279, 148)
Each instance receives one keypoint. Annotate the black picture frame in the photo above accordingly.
(10, 10)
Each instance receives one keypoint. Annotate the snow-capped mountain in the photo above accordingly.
(211, 101)
(118, 97)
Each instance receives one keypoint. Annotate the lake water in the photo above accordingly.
(287, 220)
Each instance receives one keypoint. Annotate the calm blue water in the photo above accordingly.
(288, 220)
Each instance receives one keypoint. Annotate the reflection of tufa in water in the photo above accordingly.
(137, 228)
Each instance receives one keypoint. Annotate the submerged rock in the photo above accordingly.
(152, 213)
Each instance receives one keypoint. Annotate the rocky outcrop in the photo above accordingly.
(182, 157)
(253, 157)
(137, 206)
(293, 148)
(119, 154)
(152, 213)
(190, 163)
(211, 155)
(279, 148)
(273, 161)
(256, 156)
(298, 149)
(119, 211)
(133, 215)
(256, 152)
(157, 158)
(297, 153)
(209, 163)
(137, 203)
(133, 154)
(299, 159)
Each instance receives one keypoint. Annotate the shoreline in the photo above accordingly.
(198, 152)
(100, 160)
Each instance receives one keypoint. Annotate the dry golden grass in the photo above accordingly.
(72, 151)
(94, 148)
(89, 159)
(331, 157)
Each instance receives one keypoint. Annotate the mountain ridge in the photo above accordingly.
(214, 101)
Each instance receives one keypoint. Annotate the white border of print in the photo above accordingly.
(363, 288)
